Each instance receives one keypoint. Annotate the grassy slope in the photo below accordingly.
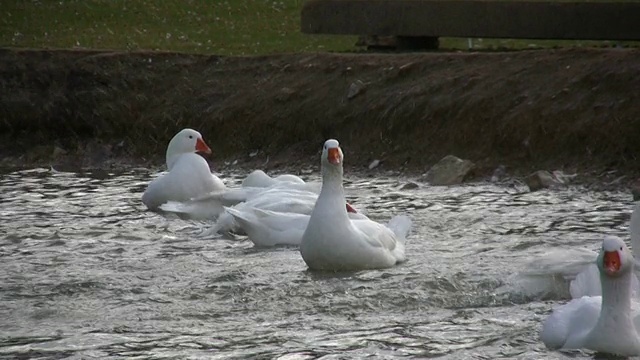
(224, 27)
(232, 27)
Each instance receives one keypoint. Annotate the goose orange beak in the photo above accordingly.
(333, 155)
(202, 147)
(612, 262)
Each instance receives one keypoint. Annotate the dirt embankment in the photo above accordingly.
(572, 109)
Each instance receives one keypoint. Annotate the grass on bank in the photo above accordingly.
(223, 27)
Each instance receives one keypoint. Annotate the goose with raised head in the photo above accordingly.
(607, 323)
(587, 282)
(188, 174)
(332, 241)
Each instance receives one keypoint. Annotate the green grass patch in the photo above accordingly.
(224, 27)
(521, 44)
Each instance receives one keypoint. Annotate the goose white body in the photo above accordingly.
(332, 241)
(188, 173)
(606, 323)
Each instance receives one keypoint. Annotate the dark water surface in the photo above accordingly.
(86, 272)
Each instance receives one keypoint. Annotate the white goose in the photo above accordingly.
(259, 178)
(332, 241)
(269, 228)
(284, 201)
(607, 323)
(189, 175)
(280, 200)
(266, 227)
(587, 282)
(256, 185)
(279, 197)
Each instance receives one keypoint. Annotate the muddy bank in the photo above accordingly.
(571, 109)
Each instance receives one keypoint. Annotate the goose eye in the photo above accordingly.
(190, 136)
(620, 248)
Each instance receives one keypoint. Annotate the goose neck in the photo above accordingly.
(616, 294)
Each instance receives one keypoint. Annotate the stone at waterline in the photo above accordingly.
(409, 186)
(374, 164)
(499, 173)
(450, 170)
(97, 152)
(58, 152)
(562, 177)
(541, 179)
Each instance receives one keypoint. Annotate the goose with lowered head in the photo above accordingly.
(266, 227)
(279, 200)
(607, 323)
(258, 178)
(189, 175)
(278, 197)
(332, 241)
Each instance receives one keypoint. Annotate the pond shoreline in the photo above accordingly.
(573, 110)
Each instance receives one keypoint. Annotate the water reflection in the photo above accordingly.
(85, 271)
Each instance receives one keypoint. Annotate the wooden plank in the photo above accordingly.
(572, 20)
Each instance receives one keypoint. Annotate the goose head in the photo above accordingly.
(614, 258)
(184, 142)
(332, 156)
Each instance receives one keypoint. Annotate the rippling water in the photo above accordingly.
(86, 272)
